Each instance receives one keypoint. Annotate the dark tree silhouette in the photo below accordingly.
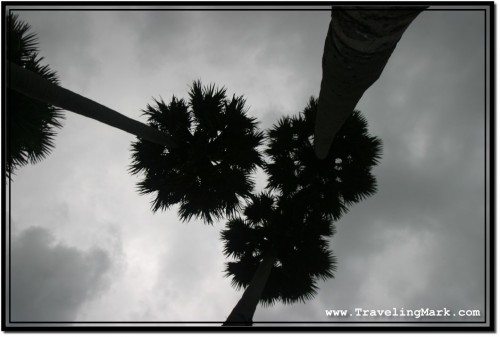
(280, 249)
(209, 172)
(30, 84)
(359, 43)
(35, 100)
(31, 124)
(281, 243)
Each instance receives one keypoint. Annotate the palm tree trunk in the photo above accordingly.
(244, 310)
(358, 45)
(33, 85)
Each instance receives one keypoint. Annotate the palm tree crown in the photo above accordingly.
(209, 172)
(298, 240)
(326, 186)
(30, 122)
(294, 218)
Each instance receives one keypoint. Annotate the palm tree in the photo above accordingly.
(281, 251)
(358, 45)
(35, 100)
(30, 84)
(208, 174)
(32, 123)
(280, 245)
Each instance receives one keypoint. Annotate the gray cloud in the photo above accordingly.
(57, 46)
(234, 49)
(49, 280)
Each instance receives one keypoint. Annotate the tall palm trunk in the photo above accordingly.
(358, 45)
(32, 85)
(244, 310)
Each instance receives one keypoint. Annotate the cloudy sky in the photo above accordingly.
(86, 246)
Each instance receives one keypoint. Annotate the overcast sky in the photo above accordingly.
(86, 246)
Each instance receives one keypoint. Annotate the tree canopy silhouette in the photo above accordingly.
(297, 239)
(31, 123)
(287, 228)
(209, 172)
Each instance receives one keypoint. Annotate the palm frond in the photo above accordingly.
(31, 124)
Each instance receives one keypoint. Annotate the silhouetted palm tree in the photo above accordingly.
(281, 250)
(209, 172)
(34, 86)
(35, 98)
(358, 45)
(30, 123)
(280, 245)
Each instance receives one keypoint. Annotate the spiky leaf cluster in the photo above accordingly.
(295, 217)
(327, 186)
(31, 123)
(298, 238)
(209, 172)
